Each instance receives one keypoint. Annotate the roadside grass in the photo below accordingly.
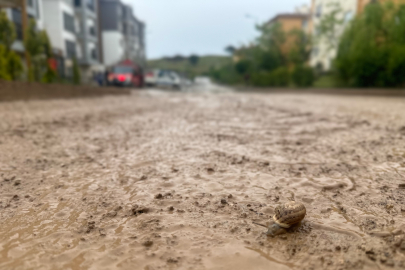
(326, 81)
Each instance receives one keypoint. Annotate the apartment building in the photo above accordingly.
(325, 49)
(290, 22)
(121, 33)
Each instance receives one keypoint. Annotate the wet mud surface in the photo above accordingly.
(174, 181)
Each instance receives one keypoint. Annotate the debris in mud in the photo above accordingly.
(137, 210)
(102, 232)
(16, 197)
(91, 225)
(401, 186)
(17, 182)
(172, 260)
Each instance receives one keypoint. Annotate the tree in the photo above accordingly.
(7, 31)
(299, 54)
(242, 66)
(331, 27)
(50, 74)
(33, 43)
(372, 49)
(14, 66)
(4, 75)
(194, 59)
(230, 49)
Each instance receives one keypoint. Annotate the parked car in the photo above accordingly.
(125, 73)
(151, 77)
(163, 78)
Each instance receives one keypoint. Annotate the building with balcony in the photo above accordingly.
(121, 33)
(86, 24)
(59, 22)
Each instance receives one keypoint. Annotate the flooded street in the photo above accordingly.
(160, 180)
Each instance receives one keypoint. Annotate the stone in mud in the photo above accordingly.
(159, 196)
(402, 246)
(147, 243)
(17, 182)
(401, 186)
(171, 208)
(111, 214)
(223, 201)
(371, 254)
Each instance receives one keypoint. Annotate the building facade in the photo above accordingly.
(88, 43)
(59, 22)
(325, 48)
(121, 33)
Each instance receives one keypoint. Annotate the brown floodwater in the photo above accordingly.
(174, 181)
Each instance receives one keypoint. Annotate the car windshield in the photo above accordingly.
(122, 69)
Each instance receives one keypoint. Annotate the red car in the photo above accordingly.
(125, 73)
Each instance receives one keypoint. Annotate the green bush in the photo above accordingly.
(303, 76)
(4, 74)
(278, 78)
(14, 65)
(76, 72)
(372, 50)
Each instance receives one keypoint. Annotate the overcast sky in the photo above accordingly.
(203, 26)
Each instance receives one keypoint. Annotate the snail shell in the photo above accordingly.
(289, 214)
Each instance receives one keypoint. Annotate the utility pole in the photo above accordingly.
(24, 21)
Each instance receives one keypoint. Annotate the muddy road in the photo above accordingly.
(174, 181)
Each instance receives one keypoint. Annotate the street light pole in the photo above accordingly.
(24, 21)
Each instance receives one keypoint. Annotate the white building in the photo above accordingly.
(60, 24)
(325, 49)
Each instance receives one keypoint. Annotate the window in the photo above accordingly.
(30, 3)
(318, 12)
(68, 22)
(304, 24)
(90, 4)
(70, 49)
(92, 31)
(78, 3)
(16, 18)
(93, 53)
(348, 16)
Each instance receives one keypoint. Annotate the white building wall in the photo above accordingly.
(322, 54)
(113, 47)
(54, 25)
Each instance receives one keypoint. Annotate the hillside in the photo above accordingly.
(182, 64)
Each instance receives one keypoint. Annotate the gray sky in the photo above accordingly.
(203, 26)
